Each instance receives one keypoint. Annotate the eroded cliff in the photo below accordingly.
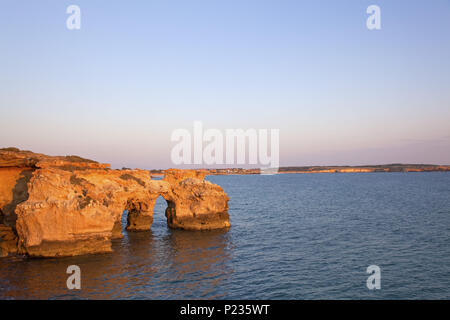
(64, 206)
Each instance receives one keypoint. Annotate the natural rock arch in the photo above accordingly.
(140, 212)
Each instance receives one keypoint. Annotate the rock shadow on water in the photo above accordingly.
(198, 263)
(172, 264)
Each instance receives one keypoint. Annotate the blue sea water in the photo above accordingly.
(292, 236)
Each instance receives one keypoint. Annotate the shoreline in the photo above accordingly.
(325, 169)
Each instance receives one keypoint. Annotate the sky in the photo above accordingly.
(116, 89)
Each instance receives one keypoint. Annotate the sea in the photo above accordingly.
(292, 236)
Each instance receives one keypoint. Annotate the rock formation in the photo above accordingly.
(64, 206)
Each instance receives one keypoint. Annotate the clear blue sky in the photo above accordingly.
(116, 89)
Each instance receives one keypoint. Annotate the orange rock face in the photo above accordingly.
(64, 206)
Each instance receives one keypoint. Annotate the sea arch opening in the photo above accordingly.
(138, 214)
(160, 209)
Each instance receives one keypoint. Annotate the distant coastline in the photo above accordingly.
(329, 169)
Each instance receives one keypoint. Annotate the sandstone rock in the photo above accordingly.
(64, 206)
(193, 203)
(8, 241)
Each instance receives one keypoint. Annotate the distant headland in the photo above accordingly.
(395, 167)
